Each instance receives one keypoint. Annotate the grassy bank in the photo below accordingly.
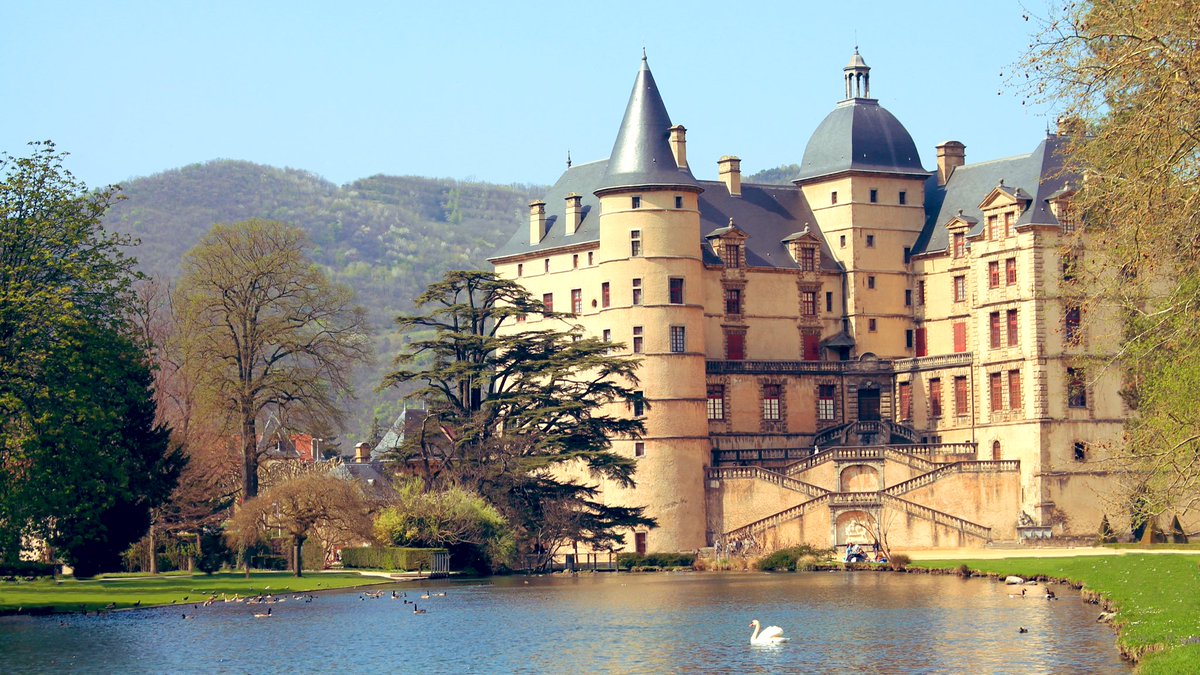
(121, 592)
(1156, 597)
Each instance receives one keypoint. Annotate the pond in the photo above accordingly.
(619, 623)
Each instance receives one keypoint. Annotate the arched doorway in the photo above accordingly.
(995, 451)
(858, 478)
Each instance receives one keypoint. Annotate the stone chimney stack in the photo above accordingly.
(537, 221)
(678, 142)
(729, 169)
(950, 156)
(574, 213)
(362, 453)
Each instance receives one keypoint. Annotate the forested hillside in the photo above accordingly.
(385, 236)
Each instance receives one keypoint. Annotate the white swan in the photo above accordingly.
(771, 635)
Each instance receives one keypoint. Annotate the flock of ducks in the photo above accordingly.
(403, 597)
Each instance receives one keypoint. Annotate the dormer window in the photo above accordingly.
(731, 253)
(960, 244)
(808, 258)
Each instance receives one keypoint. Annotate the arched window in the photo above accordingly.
(995, 451)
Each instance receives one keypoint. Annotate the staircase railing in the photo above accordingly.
(759, 473)
(938, 517)
(1001, 466)
(783, 516)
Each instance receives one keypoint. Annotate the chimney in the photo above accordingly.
(574, 213)
(362, 453)
(729, 170)
(950, 156)
(537, 221)
(678, 143)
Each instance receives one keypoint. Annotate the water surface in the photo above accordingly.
(603, 623)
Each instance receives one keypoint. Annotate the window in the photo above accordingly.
(1008, 224)
(833, 197)
(811, 344)
(871, 282)
(520, 318)
(639, 543)
(960, 244)
(872, 325)
(921, 343)
(960, 288)
(607, 335)
(903, 197)
(733, 301)
(1076, 389)
(1068, 267)
(1080, 451)
(908, 339)
(678, 336)
(907, 255)
(825, 394)
(575, 261)
(635, 243)
(548, 301)
(960, 395)
(637, 339)
(639, 450)
(908, 297)
(637, 291)
(639, 404)
(997, 391)
(921, 292)
(808, 259)
(828, 301)
(994, 322)
(906, 400)
(546, 265)
(1014, 389)
(870, 241)
(935, 397)
(675, 285)
(735, 346)
(994, 274)
(1073, 327)
(520, 269)
(605, 295)
(678, 201)
(808, 303)
(591, 257)
(576, 301)
(770, 401)
(1014, 337)
(716, 402)
(637, 202)
(1010, 271)
(960, 337)
(732, 254)
(993, 228)
(874, 196)
(842, 241)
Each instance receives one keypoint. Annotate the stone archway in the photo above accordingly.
(854, 527)
(858, 478)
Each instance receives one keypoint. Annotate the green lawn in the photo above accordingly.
(1157, 598)
(122, 591)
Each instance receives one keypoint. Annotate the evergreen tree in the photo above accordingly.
(523, 418)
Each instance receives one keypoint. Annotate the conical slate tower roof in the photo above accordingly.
(642, 156)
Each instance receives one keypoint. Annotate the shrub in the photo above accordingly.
(803, 557)
(899, 562)
(25, 568)
(628, 561)
(389, 558)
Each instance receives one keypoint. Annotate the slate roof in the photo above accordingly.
(860, 135)
(1038, 174)
(642, 154)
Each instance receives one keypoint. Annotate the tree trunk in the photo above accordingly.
(298, 551)
(249, 456)
(153, 551)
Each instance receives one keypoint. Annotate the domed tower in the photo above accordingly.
(650, 254)
(863, 178)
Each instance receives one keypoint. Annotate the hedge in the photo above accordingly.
(25, 568)
(390, 558)
(631, 560)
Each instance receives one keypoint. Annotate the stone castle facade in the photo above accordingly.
(875, 347)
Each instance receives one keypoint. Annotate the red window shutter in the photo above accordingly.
(960, 337)
(812, 348)
(735, 346)
(921, 348)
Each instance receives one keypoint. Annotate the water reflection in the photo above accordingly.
(654, 623)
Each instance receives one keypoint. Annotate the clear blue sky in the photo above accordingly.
(490, 91)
